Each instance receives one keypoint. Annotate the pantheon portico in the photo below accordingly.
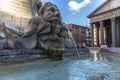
(105, 24)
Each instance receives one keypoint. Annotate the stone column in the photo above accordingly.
(97, 35)
(102, 32)
(113, 32)
(117, 32)
(92, 35)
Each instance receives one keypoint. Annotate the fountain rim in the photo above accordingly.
(32, 55)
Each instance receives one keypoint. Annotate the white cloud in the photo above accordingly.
(75, 6)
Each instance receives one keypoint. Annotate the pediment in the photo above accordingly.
(106, 6)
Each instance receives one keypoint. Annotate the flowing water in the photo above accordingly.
(94, 68)
(74, 43)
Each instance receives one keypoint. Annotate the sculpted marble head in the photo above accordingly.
(50, 12)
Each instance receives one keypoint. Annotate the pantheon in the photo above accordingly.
(105, 24)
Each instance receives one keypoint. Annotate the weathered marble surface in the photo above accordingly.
(16, 12)
(23, 55)
(111, 50)
(45, 33)
(47, 26)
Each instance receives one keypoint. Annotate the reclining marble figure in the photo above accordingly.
(45, 30)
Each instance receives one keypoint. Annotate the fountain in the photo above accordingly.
(40, 33)
(32, 30)
(69, 68)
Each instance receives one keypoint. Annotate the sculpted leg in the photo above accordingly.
(19, 43)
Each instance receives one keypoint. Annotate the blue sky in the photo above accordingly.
(75, 11)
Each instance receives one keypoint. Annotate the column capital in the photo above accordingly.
(101, 23)
(113, 19)
(91, 24)
(97, 25)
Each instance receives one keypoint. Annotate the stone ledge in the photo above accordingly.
(20, 51)
(23, 55)
(110, 51)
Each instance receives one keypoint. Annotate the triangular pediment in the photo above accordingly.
(106, 6)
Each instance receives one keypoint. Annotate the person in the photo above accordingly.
(103, 45)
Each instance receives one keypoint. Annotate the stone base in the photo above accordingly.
(20, 54)
(23, 55)
(110, 51)
(55, 53)
(55, 56)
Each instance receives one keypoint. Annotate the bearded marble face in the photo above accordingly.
(51, 13)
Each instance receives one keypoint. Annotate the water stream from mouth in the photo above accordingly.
(74, 43)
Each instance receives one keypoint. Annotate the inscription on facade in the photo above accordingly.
(106, 15)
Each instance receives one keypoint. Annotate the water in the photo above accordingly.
(71, 39)
(67, 69)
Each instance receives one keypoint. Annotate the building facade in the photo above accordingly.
(105, 22)
(78, 33)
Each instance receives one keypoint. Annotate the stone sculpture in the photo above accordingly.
(29, 28)
(45, 30)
